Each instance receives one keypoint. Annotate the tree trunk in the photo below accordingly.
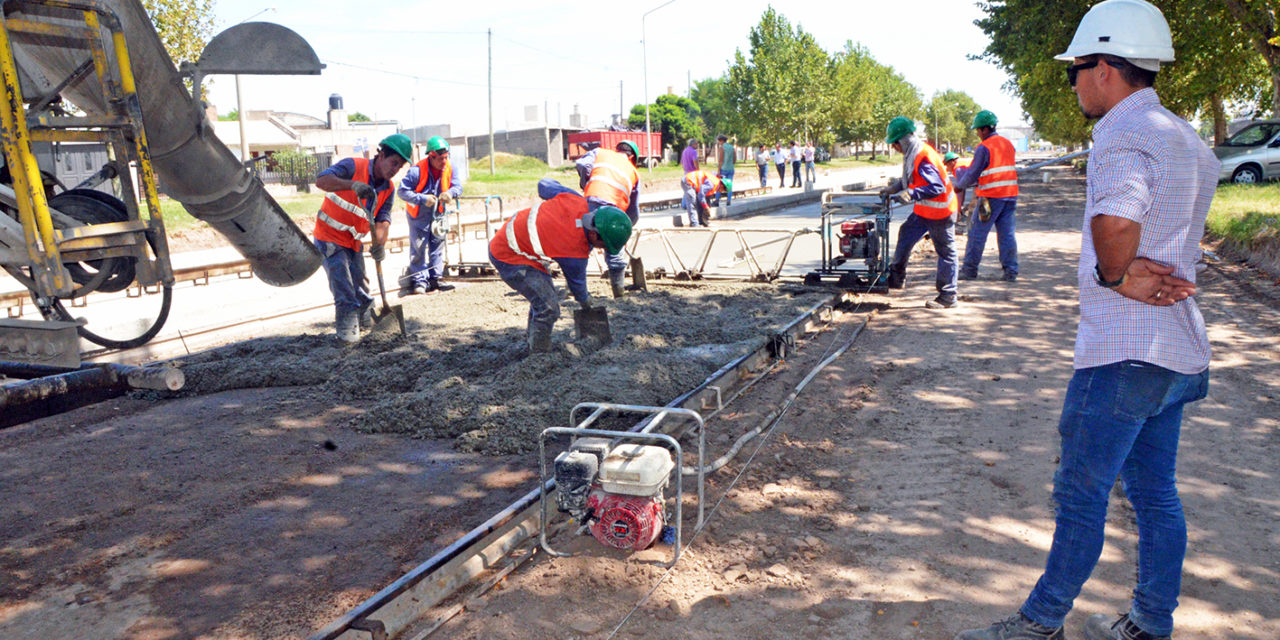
(1219, 119)
(1259, 25)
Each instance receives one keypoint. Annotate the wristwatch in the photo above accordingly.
(1103, 282)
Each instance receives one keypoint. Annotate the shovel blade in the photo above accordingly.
(593, 323)
(382, 318)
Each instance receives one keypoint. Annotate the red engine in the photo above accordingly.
(856, 240)
(625, 522)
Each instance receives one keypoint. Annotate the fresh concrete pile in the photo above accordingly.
(459, 374)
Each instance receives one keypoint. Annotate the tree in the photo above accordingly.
(677, 118)
(356, 116)
(718, 117)
(780, 89)
(185, 26)
(948, 116)
(895, 97)
(1257, 19)
(231, 116)
(854, 74)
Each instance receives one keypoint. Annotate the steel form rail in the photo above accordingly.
(401, 604)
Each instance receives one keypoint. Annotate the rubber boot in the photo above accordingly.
(348, 326)
(539, 340)
(616, 283)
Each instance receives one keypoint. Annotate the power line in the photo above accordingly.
(400, 74)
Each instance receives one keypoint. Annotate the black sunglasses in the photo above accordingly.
(1075, 69)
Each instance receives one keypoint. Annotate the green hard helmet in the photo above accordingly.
(984, 118)
(399, 143)
(635, 150)
(728, 183)
(898, 127)
(614, 228)
(951, 155)
(436, 143)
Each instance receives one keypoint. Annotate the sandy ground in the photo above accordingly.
(906, 494)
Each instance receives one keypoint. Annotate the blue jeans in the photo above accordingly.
(536, 286)
(1119, 419)
(728, 197)
(810, 171)
(764, 175)
(426, 253)
(795, 173)
(943, 234)
(345, 269)
(1002, 218)
(617, 263)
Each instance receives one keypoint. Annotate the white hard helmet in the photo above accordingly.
(1131, 29)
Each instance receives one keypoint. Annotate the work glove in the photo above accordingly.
(428, 202)
(904, 196)
(364, 192)
(377, 252)
(445, 198)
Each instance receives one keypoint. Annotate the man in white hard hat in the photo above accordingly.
(1141, 352)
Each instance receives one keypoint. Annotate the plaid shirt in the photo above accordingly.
(1147, 166)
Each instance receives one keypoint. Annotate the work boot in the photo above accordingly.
(418, 289)
(365, 317)
(617, 284)
(896, 280)
(1010, 276)
(941, 302)
(1100, 627)
(348, 326)
(539, 340)
(1015, 627)
(436, 284)
(965, 275)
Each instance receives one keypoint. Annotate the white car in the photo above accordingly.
(1252, 155)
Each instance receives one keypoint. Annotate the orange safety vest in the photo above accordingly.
(1000, 179)
(961, 163)
(342, 220)
(613, 177)
(941, 205)
(699, 177)
(424, 171)
(548, 230)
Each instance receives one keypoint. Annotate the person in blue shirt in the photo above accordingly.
(427, 187)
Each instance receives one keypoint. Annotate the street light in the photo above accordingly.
(644, 52)
(244, 138)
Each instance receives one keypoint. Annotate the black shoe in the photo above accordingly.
(941, 302)
(1100, 627)
(1015, 627)
(1009, 276)
(436, 284)
(966, 276)
(896, 281)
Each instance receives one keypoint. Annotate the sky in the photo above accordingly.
(427, 63)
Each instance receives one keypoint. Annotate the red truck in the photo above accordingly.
(583, 141)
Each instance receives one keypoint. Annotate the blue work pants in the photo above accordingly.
(426, 252)
(1004, 222)
(345, 269)
(782, 174)
(617, 263)
(536, 286)
(764, 175)
(1123, 420)
(943, 234)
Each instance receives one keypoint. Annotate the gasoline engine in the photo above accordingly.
(857, 241)
(615, 490)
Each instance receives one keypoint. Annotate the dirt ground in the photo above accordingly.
(906, 494)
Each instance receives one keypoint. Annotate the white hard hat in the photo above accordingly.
(1131, 29)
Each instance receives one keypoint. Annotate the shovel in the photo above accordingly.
(593, 323)
(387, 308)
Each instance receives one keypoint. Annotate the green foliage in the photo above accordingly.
(676, 117)
(1246, 213)
(948, 116)
(298, 167)
(854, 79)
(711, 96)
(358, 117)
(185, 26)
(782, 89)
(231, 116)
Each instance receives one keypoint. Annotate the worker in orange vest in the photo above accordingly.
(995, 179)
(354, 187)
(609, 177)
(955, 166)
(427, 188)
(698, 187)
(925, 182)
(560, 229)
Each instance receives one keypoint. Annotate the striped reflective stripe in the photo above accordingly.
(933, 203)
(349, 206)
(1002, 183)
(532, 226)
(991, 170)
(327, 219)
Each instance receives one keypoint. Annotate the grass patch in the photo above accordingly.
(1246, 213)
(176, 217)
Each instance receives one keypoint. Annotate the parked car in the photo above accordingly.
(1252, 155)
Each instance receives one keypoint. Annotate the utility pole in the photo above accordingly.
(644, 52)
(492, 168)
